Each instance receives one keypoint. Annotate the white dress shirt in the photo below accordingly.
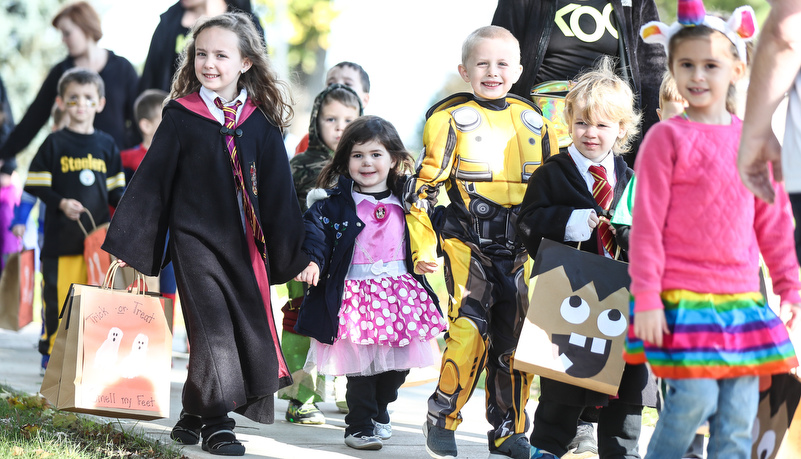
(578, 228)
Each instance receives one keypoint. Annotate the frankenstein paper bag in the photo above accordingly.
(112, 355)
(777, 428)
(16, 290)
(577, 318)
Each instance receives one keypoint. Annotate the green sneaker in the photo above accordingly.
(298, 413)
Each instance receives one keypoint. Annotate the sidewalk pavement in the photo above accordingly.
(20, 370)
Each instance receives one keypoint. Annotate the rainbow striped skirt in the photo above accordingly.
(715, 336)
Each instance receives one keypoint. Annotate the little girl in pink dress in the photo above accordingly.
(372, 317)
(387, 316)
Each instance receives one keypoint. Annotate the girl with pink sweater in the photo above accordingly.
(695, 242)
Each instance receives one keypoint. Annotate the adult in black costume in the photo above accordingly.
(171, 34)
(561, 38)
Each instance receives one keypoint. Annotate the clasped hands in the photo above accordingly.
(311, 274)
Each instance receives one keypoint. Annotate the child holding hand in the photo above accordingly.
(217, 176)
(334, 108)
(697, 233)
(372, 317)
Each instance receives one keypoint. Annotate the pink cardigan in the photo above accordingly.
(695, 225)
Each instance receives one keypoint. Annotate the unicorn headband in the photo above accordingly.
(740, 28)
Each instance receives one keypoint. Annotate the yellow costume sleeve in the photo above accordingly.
(435, 164)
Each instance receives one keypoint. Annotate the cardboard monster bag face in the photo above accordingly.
(577, 318)
(777, 428)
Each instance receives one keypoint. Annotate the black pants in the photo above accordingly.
(619, 427)
(50, 306)
(368, 398)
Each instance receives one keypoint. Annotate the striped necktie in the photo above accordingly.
(229, 112)
(602, 192)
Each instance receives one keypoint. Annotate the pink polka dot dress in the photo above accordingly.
(387, 318)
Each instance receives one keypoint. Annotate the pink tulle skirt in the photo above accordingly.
(384, 324)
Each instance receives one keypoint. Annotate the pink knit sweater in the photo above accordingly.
(695, 225)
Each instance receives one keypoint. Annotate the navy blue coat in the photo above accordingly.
(331, 229)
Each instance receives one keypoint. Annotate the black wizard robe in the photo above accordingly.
(185, 184)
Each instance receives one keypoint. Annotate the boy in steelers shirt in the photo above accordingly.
(77, 169)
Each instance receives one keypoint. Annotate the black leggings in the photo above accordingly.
(368, 398)
(618, 428)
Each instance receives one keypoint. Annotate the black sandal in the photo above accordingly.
(223, 443)
(187, 429)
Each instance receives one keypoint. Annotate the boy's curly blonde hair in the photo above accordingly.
(601, 94)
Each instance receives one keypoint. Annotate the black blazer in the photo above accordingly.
(554, 190)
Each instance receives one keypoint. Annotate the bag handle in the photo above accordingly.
(91, 219)
(138, 287)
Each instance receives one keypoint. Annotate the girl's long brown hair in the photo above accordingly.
(264, 88)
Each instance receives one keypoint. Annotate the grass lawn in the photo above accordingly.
(31, 428)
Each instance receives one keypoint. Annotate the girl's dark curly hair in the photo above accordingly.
(362, 130)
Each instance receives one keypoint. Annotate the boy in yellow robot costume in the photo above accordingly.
(483, 147)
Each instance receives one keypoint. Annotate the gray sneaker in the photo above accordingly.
(583, 444)
(382, 431)
(440, 442)
(370, 442)
(516, 447)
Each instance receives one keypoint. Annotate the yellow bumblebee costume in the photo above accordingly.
(484, 151)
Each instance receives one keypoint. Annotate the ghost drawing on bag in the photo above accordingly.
(106, 355)
(134, 363)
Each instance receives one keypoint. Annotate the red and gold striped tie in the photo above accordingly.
(602, 192)
(230, 123)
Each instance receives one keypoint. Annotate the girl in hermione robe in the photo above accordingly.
(217, 176)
